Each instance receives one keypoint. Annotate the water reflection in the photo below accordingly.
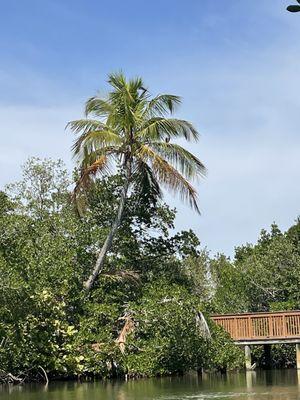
(250, 379)
(260, 385)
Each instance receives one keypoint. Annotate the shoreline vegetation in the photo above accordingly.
(140, 318)
(94, 281)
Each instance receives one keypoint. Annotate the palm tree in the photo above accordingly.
(129, 129)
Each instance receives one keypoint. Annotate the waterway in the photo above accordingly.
(261, 385)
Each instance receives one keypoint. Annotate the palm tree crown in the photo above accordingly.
(130, 129)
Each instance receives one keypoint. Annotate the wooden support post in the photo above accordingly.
(267, 356)
(298, 355)
(248, 362)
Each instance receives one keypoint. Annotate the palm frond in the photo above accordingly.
(95, 140)
(159, 128)
(163, 104)
(100, 166)
(98, 107)
(117, 80)
(123, 275)
(123, 100)
(169, 176)
(94, 135)
(138, 113)
(136, 88)
(85, 125)
(145, 181)
(188, 164)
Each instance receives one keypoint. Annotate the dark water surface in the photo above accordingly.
(269, 385)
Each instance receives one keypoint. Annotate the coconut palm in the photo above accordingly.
(129, 129)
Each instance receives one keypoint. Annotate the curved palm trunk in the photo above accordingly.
(109, 240)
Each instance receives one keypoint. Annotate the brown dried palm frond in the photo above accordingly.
(124, 275)
(127, 329)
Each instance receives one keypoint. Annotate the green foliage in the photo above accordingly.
(222, 354)
(41, 335)
(47, 251)
(228, 286)
(167, 338)
(262, 277)
(157, 280)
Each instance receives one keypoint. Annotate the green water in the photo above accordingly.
(279, 385)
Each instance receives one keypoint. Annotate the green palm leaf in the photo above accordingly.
(98, 107)
(85, 125)
(188, 164)
(162, 128)
(162, 104)
(145, 181)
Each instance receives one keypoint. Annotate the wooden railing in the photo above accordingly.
(256, 326)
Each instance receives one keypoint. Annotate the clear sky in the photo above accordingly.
(236, 64)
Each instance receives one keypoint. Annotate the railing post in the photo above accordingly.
(284, 326)
(235, 328)
(250, 330)
(271, 333)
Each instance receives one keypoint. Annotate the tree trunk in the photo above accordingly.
(109, 240)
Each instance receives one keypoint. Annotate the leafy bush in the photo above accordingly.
(150, 277)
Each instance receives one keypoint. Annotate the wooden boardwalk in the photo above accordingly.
(262, 328)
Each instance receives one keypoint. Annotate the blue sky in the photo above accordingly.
(235, 63)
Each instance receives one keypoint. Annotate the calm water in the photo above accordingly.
(279, 385)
